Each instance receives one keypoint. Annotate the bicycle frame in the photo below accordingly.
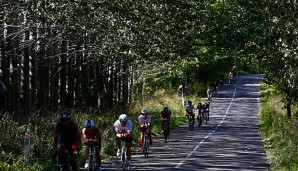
(190, 121)
(123, 154)
(123, 151)
(145, 142)
(68, 160)
(165, 128)
(92, 157)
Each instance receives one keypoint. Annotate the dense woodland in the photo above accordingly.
(98, 56)
(104, 54)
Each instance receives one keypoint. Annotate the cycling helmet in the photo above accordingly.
(64, 116)
(144, 112)
(89, 124)
(166, 109)
(123, 118)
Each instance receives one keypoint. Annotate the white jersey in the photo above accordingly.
(190, 108)
(128, 126)
(141, 119)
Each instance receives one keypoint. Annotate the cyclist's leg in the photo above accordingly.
(141, 143)
(98, 156)
(149, 135)
(86, 152)
(169, 126)
(128, 147)
(74, 164)
(193, 118)
(62, 157)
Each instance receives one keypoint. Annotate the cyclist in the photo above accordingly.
(166, 114)
(233, 71)
(123, 123)
(200, 110)
(67, 139)
(92, 136)
(209, 95)
(190, 111)
(222, 80)
(144, 117)
(215, 87)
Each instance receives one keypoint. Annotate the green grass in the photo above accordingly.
(40, 127)
(280, 135)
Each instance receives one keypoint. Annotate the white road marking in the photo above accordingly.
(213, 131)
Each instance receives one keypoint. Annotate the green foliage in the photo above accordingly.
(279, 134)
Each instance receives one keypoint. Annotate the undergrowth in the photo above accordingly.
(40, 127)
(280, 135)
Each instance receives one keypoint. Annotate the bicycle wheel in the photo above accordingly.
(123, 158)
(146, 146)
(199, 118)
(190, 123)
(206, 117)
(165, 130)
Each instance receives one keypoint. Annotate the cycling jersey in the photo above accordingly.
(190, 108)
(91, 133)
(118, 127)
(68, 135)
(166, 114)
(141, 119)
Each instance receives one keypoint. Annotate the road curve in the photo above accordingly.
(230, 141)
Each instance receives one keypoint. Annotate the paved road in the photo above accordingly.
(230, 141)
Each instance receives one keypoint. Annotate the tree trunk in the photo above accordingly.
(26, 72)
(63, 72)
(289, 113)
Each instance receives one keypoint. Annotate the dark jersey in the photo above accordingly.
(68, 134)
(166, 114)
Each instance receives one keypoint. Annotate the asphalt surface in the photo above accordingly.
(230, 140)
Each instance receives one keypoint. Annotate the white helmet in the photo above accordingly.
(89, 124)
(123, 117)
(144, 112)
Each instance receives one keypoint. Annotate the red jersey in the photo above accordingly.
(91, 133)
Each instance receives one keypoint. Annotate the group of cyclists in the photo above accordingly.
(67, 142)
(201, 108)
(67, 137)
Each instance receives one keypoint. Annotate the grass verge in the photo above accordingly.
(279, 134)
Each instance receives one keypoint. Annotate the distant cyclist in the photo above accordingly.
(222, 80)
(166, 117)
(92, 136)
(190, 111)
(144, 117)
(233, 71)
(124, 124)
(67, 140)
(215, 88)
(209, 95)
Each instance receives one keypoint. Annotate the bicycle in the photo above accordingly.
(190, 122)
(231, 77)
(69, 160)
(123, 155)
(145, 147)
(165, 128)
(199, 117)
(92, 156)
(202, 116)
(207, 110)
(205, 117)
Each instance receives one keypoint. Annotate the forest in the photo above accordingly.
(103, 56)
